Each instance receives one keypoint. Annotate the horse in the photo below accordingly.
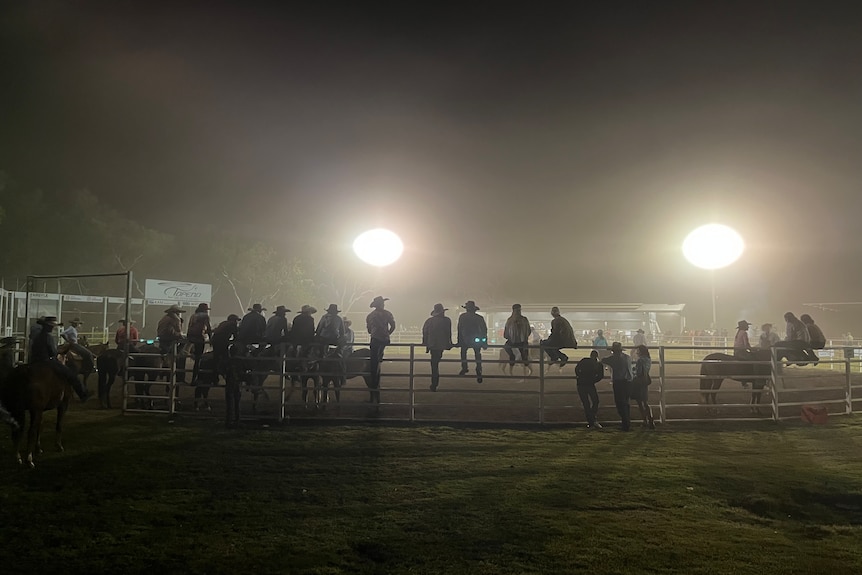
(146, 371)
(36, 388)
(337, 370)
(77, 363)
(714, 371)
(303, 364)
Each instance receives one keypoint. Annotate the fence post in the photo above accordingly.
(848, 382)
(661, 404)
(541, 386)
(283, 380)
(773, 371)
(411, 375)
(172, 386)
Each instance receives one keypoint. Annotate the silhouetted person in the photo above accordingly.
(380, 324)
(302, 332)
(44, 350)
(562, 335)
(252, 328)
(741, 344)
(120, 337)
(797, 338)
(588, 372)
(768, 338)
(472, 334)
(640, 385)
(199, 329)
(170, 334)
(277, 330)
(220, 341)
(437, 338)
(330, 328)
(349, 338)
(815, 335)
(517, 335)
(621, 374)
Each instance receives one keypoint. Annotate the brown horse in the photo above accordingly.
(336, 371)
(36, 388)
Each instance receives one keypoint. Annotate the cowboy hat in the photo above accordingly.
(333, 308)
(308, 309)
(471, 305)
(203, 307)
(123, 321)
(742, 324)
(438, 309)
(640, 330)
(378, 301)
(348, 322)
(75, 320)
(256, 307)
(233, 317)
(280, 310)
(48, 320)
(766, 326)
(175, 309)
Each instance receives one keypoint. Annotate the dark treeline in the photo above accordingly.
(74, 232)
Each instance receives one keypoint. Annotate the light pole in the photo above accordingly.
(712, 247)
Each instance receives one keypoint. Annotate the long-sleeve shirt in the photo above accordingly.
(330, 328)
(796, 331)
(437, 333)
(562, 334)
(589, 371)
(44, 347)
(768, 340)
(643, 366)
(472, 330)
(818, 340)
(517, 329)
(621, 366)
(170, 328)
(380, 324)
(251, 328)
(740, 341)
(70, 334)
(120, 336)
(277, 328)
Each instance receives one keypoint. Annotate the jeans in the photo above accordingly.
(621, 399)
(590, 399)
(477, 351)
(522, 347)
(554, 353)
(436, 356)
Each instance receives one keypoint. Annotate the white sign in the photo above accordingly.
(86, 298)
(175, 291)
(135, 300)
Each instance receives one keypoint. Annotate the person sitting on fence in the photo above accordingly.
(346, 346)
(815, 334)
(70, 334)
(472, 334)
(589, 371)
(302, 332)
(517, 335)
(132, 338)
(330, 328)
(741, 344)
(562, 335)
(768, 338)
(797, 338)
(252, 329)
(437, 338)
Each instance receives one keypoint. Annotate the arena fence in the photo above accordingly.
(545, 395)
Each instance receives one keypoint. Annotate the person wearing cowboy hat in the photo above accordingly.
(277, 328)
(346, 348)
(70, 334)
(44, 350)
(472, 334)
(517, 335)
(639, 338)
(741, 344)
(199, 329)
(330, 328)
(252, 327)
(621, 376)
(220, 341)
(437, 338)
(380, 324)
(302, 332)
(120, 337)
(170, 333)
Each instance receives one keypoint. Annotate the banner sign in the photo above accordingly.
(183, 293)
(86, 298)
(135, 300)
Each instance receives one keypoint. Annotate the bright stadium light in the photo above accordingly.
(712, 247)
(378, 247)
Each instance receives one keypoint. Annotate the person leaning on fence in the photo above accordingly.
(562, 335)
(380, 324)
(170, 334)
(120, 337)
(640, 385)
(815, 335)
(199, 329)
(44, 350)
(741, 344)
(70, 334)
(472, 334)
(277, 330)
(437, 338)
(621, 377)
(588, 372)
(517, 335)
(302, 332)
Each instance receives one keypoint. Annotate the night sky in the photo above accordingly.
(534, 152)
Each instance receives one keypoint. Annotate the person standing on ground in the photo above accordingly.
(588, 372)
(621, 377)
(121, 337)
(640, 386)
(380, 324)
(562, 335)
(170, 334)
(601, 344)
(198, 331)
(472, 334)
(221, 341)
(517, 335)
(437, 338)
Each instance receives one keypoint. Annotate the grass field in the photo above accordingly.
(138, 494)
